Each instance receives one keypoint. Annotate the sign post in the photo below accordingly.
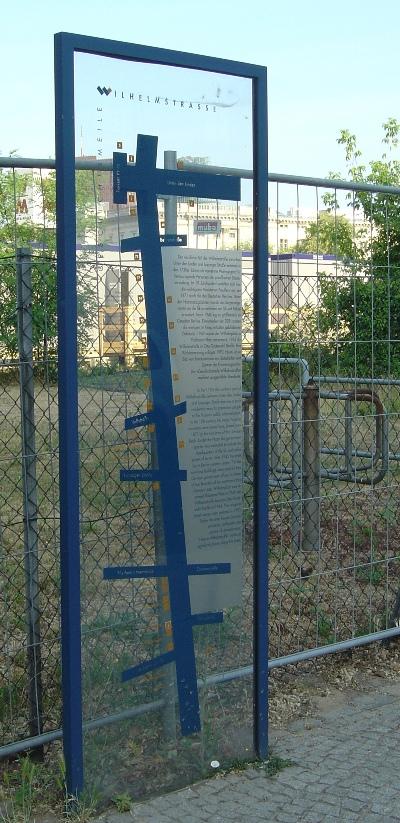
(106, 67)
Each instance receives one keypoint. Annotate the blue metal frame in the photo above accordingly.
(261, 381)
(68, 417)
(65, 46)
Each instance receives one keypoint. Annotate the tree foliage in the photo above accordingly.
(356, 326)
(329, 234)
(365, 303)
(27, 220)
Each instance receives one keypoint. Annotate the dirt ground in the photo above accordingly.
(348, 588)
(305, 692)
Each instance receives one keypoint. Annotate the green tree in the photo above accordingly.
(329, 234)
(365, 302)
(20, 193)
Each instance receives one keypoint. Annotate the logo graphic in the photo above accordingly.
(220, 100)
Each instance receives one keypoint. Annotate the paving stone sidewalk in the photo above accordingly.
(346, 768)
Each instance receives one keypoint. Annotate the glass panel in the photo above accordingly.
(163, 328)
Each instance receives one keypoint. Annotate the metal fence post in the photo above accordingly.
(311, 469)
(29, 487)
(297, 471)
(274, 442)
(170, 207)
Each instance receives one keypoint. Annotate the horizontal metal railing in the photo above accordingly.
(224, 677)
(83, 164)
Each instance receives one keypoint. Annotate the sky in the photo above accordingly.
(331, 65)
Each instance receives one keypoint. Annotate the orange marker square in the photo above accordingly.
(149, 406)
(177, 398)
(152, 428)
(146, 382)
(171, 325)
(175, 376)
(165, 603)
(181, 444)
(169, 299)
(155, 486)
(132, 211)
(179, 419)
(131, 198)
(173, 350)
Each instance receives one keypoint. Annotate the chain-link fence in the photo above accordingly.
(29, 519)
(334, 565)
(334, 442)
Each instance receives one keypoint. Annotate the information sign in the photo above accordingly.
(152, 498)
(204, 323)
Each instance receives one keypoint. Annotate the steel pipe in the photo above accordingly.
(244, 174)
(213, 680)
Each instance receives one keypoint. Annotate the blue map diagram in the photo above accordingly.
(144, 178)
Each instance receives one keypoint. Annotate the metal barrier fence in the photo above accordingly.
(334, 435)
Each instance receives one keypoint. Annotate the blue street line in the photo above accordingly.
(192, 569)
(208, 568)
(147, 418)
(131, 244)
(207, 617)
(173, 239)
(139, 420)
(180, 408)
(135, 243)
(145, 177)
(147, 666)
(151, 475)
(129, 572)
